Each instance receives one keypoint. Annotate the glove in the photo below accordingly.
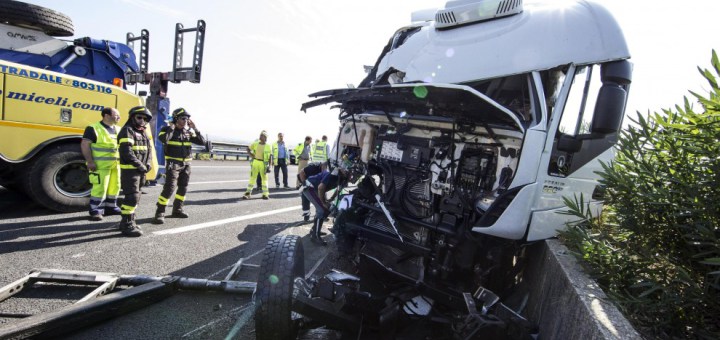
(142, 168)
(149, 167)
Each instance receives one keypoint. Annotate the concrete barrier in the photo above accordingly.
(564, 302)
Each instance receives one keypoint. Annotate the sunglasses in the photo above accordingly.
(143, 118)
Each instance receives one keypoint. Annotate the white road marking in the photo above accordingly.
(216, 182)
(315, 267)
(225, 221)
(220, 166)
(230, 314)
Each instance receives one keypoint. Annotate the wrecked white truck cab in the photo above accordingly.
(466, 135)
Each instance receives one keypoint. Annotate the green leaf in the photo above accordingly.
(713, 261)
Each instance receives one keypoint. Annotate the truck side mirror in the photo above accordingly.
(610, 106)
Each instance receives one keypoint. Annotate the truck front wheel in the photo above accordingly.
(58, 180)
(283, 261)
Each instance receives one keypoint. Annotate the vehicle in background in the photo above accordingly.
(463, 140)
(52, 90)
(293, 158)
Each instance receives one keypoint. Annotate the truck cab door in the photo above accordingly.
(582, 130)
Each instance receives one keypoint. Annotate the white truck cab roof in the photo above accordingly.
(577, 32)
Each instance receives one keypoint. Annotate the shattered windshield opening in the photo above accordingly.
(422, 101)
(512, 92)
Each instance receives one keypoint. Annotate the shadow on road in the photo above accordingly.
(14, 205)
(61, 235)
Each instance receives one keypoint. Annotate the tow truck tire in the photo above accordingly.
(51, 22)
(58, 180)
(282, 262)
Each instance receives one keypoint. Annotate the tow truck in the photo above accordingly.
(462, 142)
(52, 90)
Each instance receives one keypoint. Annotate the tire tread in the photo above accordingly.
(282, 258)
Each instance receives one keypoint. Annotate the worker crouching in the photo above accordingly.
(316, 188)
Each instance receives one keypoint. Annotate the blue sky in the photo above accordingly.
(262, 58)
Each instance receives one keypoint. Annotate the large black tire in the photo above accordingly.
(283, 261)
(58, 179)
(51, 22)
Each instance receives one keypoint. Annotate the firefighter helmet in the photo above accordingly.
(178, 113)
(140, 110)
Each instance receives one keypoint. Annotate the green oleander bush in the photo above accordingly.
(655, 249)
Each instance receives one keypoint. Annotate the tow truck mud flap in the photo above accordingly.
(97, 307)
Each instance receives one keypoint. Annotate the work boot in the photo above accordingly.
(128, 228)
(315, 233)
(132, 220)
(159, 215)
(265, 197)
(178, 210)
(246, 196)
(112, 211)
(96, 217)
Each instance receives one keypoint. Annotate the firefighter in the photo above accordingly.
(135, 155)
(100, 148)
(177, 139)
(320, 151)
(259, 152)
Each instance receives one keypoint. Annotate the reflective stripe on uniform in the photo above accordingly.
(178, 159)
(127, 140)
(127, 166)
(162, 200)
(172, 142)
(94, 148)
(105, 148)
(139, 147)
(179, 197)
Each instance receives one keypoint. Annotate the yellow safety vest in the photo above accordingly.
(276, 152)
(299, 149)
(266, 151)
(320, 154)
(105, 149)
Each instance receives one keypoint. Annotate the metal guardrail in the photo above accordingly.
(223, 149)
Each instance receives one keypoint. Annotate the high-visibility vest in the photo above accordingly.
(105, 149)
(320, 153)
(276, 152)
(299, 149)
(266, 151)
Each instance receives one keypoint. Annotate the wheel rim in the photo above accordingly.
(71, 180)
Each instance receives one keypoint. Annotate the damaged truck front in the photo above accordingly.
(462, 141)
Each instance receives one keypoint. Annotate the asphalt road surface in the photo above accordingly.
(222, 228)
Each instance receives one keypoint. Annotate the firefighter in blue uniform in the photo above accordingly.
(177, 139)
(134, 145)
